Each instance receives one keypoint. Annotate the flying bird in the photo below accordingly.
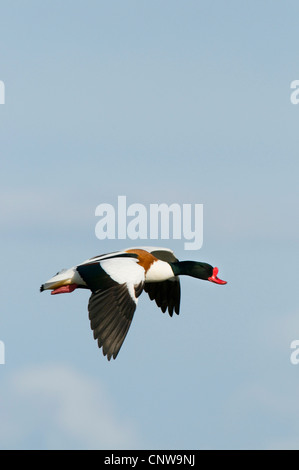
(117, 279)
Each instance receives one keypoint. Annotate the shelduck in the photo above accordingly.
(117, 279)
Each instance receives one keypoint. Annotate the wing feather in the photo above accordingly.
(116, 281)
(111, 313)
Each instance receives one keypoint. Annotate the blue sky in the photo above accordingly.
(175, 102)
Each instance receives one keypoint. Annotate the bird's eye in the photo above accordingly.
(60, 272)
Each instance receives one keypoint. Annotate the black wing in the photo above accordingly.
(167, 294)
(111, 312)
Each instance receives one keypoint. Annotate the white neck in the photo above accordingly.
(159, 271)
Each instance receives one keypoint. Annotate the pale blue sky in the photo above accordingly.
(161, 101)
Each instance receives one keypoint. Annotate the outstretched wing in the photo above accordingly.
(111, 313)
(116, 284)
(167, 294)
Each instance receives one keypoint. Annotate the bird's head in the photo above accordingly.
(199, 270)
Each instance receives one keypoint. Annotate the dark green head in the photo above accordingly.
(197, 269)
